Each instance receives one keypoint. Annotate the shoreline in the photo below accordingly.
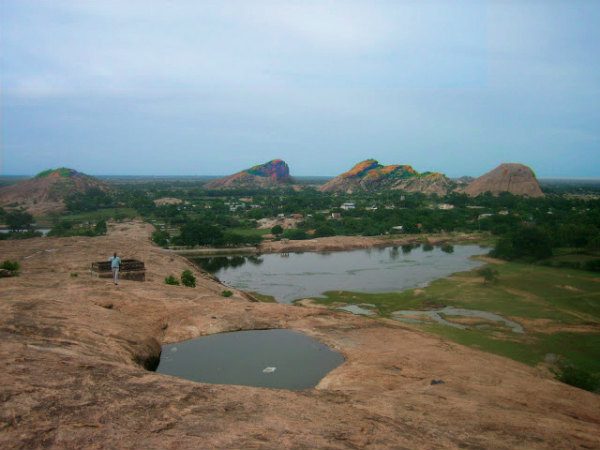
(336, 244)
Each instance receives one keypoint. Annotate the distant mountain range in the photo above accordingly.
(47, 191)
(369, 175)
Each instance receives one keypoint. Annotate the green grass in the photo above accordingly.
(262, 298)
(249, 231)
(92, 216)
(549, 302)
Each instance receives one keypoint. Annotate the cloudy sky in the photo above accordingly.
(213, 87)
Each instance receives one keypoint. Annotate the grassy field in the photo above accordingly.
(249, 231)
(91, 216)
(559, 310)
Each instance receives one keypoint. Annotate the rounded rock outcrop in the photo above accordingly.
(268, 174)
(517, 179)
(48, 190)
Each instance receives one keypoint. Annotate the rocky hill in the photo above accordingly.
(46, 192)
(517, 179)
(74, 352)
(370, 175)
(271, 173)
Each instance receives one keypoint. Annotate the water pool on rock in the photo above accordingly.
(281, 359)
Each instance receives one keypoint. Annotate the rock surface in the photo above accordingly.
(46, 192)
(269, 174)
(439, 185)
(369, 175)
(74, 349)
(517, 179)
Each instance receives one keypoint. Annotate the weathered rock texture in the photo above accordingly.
(74, 348)
(370, 175)
(46, 192)
(269, 174)
(517, 179)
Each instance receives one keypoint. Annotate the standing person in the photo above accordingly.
(115, 263)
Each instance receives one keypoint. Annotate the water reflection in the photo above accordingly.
(407, 248)
(436, 315)
(216, 263)
(302, 275)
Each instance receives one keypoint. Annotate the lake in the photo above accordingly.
(293, 276)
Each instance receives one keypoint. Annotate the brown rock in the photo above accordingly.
(74, 349)
(42, 195)
(369, 175)
(427, 185)
(517, 179)
(272, 173)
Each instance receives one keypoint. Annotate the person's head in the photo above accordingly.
(115, 255)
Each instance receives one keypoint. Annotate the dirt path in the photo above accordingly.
(74, 350)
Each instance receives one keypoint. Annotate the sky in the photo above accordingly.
(147, 87)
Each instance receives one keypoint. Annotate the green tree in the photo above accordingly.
(324, 230)
(160, 237)
(532, 242)
(19, 220)
(277, 230)
(526, 243)
(200, 233)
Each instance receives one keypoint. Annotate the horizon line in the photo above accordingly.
(292, 176)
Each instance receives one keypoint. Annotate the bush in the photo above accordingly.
(577, 377)
(172, 280)
(294, 234)
(100, 228)
(188, 279)
(489, 274)
(226, 293)
(12, 266)
(593, 265)
(277, 230)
